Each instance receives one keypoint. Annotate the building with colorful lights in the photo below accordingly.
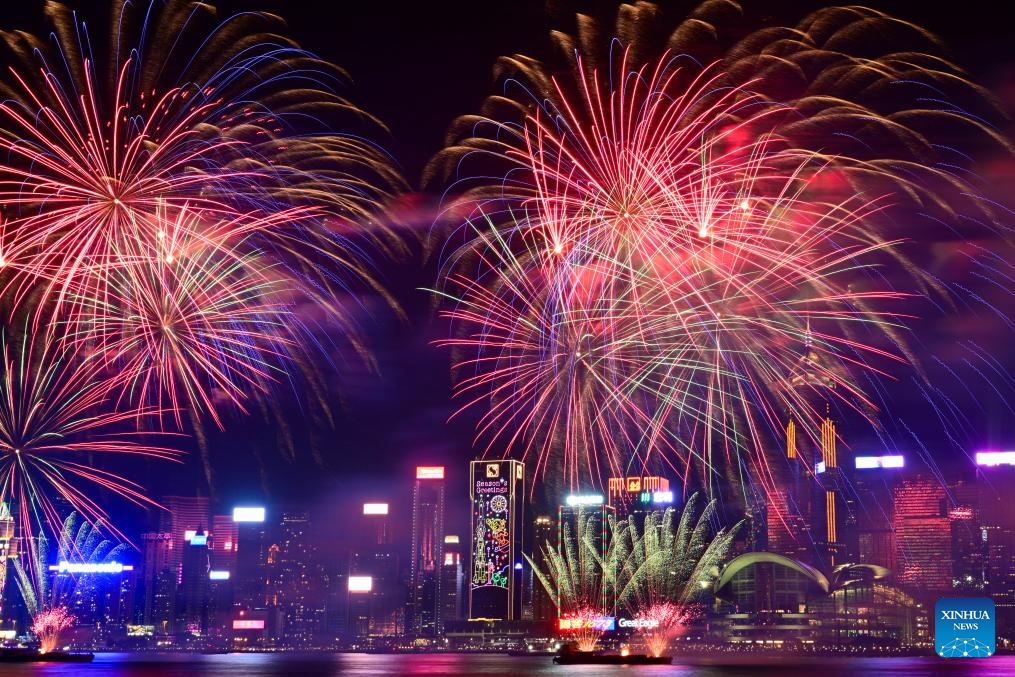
(497, 495)
(427, 555)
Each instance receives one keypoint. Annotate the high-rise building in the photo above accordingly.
(591, 511)
(832, 479)
(497, 490)
(192, 605)
(639, 494)
(995, 478)
(427, 552)
(156, 595)
(452, 580)
(297, 584)
(544, 534)
(789, 505)
(380, 610)
(874, 485)
(250, 578)
(186, 515)
(923, 537)
(969, 548)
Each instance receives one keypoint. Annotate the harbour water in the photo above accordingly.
(486, 665)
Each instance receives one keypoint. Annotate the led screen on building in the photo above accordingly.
(496, 535)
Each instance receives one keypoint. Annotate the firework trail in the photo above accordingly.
(56, 425)
(79, 542)
(730, 225)
(186, 135)
(49, 624)
(667, 277)
(189, 316)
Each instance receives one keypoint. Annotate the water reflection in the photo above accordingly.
(474, 665)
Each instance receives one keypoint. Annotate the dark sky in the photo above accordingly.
(417, 65)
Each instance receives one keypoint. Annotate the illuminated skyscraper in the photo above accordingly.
(789, 504)
(157, 585)
(187, 514)
(875, 483)
(923, 538)
(452, 580)
(250, 580)
(497, 490)
(379, 611)
(597, 515)
(832, 479)
(544, 534)
(995, 478)
(192, 607)
(427, 552)
(297, 584)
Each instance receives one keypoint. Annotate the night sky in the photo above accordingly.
(416, 66)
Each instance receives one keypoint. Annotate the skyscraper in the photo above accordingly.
(157, 587)
(296, 583)
(639, 494)
(497, 490)
(7, 549)
(192, 608)
(995, 478)
(596, 515)
(186, 514)
(379, 611)
(427, 552)
(452, 580)
(789, 505)
(544, 536)
(923, 537)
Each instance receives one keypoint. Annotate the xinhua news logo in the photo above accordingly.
(964, 627)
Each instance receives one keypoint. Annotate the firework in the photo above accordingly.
(848, 82)
(187, 316)
(577, 580)
(664, 565)
(90, 157)
(79, 542)
(659, 302)
(48, 626)
(661, 623)
(722, 204)
(55, 423)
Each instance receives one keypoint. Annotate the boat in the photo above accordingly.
(35, 656)
(593, 658)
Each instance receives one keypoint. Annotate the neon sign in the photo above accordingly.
(429, 472)
(248, 514)
(992, 458)
(597, 623)
(90, 567)
(870, 462)
(586, 499)
(375, 508)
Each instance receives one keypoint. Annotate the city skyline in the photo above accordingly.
(606, 329)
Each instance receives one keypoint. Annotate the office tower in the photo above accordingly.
(223, 543)
(875, 481)
(497, 492)
(923, 537)
(158, 580)
(427, 551)
(452, 579)
(183, 515)
(638, 495)
(379, 610)
(297, 584)
(589, 507)
(788, 506)
(995, 479)
(192, 607)
(969, 548)
(832, 479)
(544, 534)
(250, 578)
